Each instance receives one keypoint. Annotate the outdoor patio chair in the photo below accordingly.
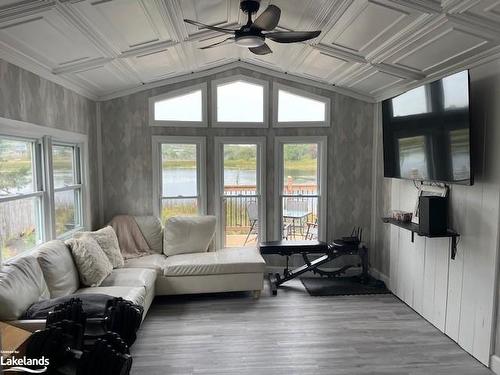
(253, 217)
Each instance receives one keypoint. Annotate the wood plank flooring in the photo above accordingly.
(293, 333)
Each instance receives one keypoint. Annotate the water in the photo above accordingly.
(182, 181)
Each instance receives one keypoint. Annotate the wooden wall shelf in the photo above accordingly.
(414, 228)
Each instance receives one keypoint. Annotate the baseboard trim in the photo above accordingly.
(380, 276)
(495, 364)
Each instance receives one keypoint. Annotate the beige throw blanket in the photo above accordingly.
(131, 240)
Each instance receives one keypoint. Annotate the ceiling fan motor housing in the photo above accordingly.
(249, 6)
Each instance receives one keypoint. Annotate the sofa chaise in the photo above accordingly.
(49, 272)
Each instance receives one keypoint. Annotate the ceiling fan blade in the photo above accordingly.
(268, 19)
(292, 36)
(218, 43)
(261, 50)
(214, 28)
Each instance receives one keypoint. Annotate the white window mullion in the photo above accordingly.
(48, 205)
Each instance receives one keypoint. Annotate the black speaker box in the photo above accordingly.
(433, 215)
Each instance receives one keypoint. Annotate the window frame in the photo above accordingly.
(219, 142)
(200, 142)
(322, 142)
(237, 124)
(44, 137)
(179, 92)
(306, 94)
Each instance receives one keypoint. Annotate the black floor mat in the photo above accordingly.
(343, 286)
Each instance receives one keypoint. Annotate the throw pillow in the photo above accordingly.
(188, 234)
(107, 240)
(92, 263)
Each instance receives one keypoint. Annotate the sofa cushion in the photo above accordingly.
(136, 295)
(154, 261)
(227, 261)
(188, 234)
(58, 268)
(152, 231)
(107, 240)
(135, 277)
(21, 285)
(93, 265)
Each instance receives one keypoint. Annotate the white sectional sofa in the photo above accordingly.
(49, 272)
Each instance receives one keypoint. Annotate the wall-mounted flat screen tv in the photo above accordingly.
(427, 132)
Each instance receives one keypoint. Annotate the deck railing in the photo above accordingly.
(237, 198)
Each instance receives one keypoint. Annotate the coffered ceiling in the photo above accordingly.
(369, 49)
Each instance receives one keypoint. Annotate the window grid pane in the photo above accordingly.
(17, 167)
(300, 169)
(179, 180)
(240, 101)
(297, 108)
(179, 170)
(20, 228)
(66, 207)
(186, 107)
(63, 162)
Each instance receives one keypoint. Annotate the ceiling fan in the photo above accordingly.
(251, 35)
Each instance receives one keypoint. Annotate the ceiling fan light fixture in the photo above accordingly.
(250, 41)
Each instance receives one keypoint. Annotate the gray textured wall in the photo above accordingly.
(127, 156)
(24, 96)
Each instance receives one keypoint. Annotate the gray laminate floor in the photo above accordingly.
(293, 333)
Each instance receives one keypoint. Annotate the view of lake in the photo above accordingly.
(182, 181)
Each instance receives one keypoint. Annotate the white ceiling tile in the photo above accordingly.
(368, 25)
(156, 65)
(321, 65)
(375, 81)
(104, 79)
(439, 48)
(49, 37)
(127, 24)
(298, 14)
(209, 12)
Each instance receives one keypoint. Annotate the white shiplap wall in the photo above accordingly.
(459, 296)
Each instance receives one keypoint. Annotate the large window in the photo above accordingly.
(239, 189)
(21, 195)
(42, 192)
(179, 176)
(183, 107)
(299, 108)
(239, 101)
(301, 195)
